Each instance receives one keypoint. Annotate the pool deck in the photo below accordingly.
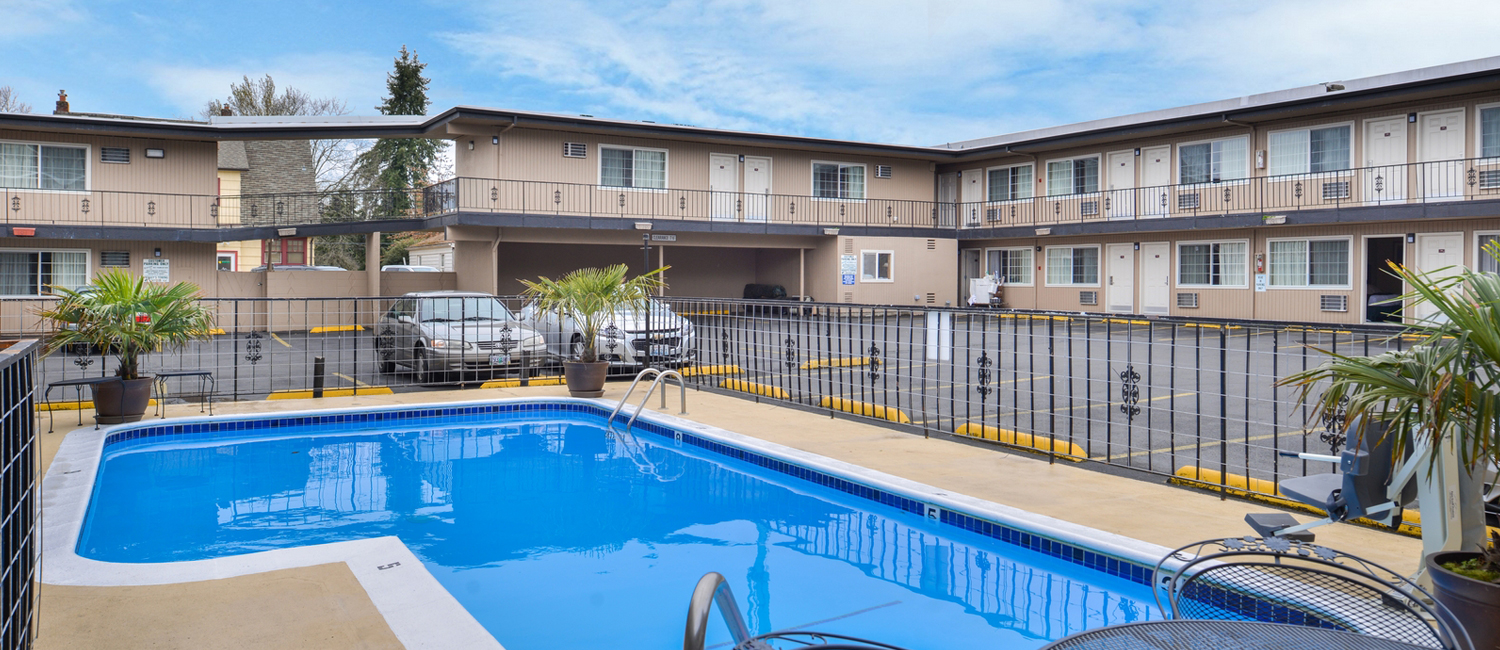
(324, 606)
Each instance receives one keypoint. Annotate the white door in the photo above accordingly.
(1441, 140)
(1156, 278)
(724, 185)
(1385, 160)
(1119, 290)
(1439, 256)
(972, 196)
(971, 270)
(1156, 175)
(1120, 202)
(757, 188)
(947, 197)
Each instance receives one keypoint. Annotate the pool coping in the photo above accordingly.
(422, 614)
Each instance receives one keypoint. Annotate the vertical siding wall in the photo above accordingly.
(536, 155)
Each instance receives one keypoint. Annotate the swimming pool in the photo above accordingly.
(553, 533)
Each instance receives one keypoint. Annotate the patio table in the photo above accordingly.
(1180, 634)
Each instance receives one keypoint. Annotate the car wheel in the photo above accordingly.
(575, 348)
(420, 372)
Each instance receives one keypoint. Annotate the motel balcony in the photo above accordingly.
(1452, 184)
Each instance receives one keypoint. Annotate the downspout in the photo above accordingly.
(495, 264)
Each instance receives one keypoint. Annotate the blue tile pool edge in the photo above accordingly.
(932, 506)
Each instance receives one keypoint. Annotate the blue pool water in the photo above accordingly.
(553, 534)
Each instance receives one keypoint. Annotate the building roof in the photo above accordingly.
(232, 156)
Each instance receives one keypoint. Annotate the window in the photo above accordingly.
(838, 181)
(225, 260)
(1310, 263)
(1010, 183)
(33, 273)
(1310, 150)
(286, 251)
(1009, 265)
(1489, 132)
(643, 168)
(1076, 176)
(1075, 265)
(1211, 162)
(1486, 262)
(43, 167)
(1212, 264)
(875, 266)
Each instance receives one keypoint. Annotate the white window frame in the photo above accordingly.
(88, 265)
(891, 265)
(985, 259)
(1177, 266)
(1298, 176)
(1047, 267)
(88, 167)
(1479, 133)
(234, 259)
(1030, 186)
(1249, 164)
(1099, 180)
(1348, 269)
(812, 181)
(666, 169)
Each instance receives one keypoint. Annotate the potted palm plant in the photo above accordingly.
(1443, 392)
(590, 298)
(127, 317)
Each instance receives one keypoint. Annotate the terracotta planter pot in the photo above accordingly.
(585, 379)
(1475, 603)
(121, 401)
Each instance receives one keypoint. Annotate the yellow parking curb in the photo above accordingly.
(1034, 317)
(710, 370)
(325, 329)
(1317, 330)
(755, 389)
(74, 406)
(1212, 326)
(210, 332)
(1067, 450)
(331, 392)
(708, 312)
(865, 408)
(548, 380)
(837, 362)
(1127, 321)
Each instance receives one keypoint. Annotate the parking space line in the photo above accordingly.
(1170, 450)
(357, 382)
(278, 340)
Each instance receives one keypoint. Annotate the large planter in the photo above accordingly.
(585, 379)
(1476, 604)
(121, 401)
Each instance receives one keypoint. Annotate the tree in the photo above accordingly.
(10, 103)
(399, 165)
(333, 160)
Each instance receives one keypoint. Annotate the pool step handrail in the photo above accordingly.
(714, 589)
(660, 375)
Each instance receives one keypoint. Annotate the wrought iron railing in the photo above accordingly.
(1414, 183)
(20, 473)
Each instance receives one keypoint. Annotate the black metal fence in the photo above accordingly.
(20, 496)
(1190, 398)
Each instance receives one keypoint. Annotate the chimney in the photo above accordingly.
(62, 103)
(226, 111)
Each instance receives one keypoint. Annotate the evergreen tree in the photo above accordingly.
(399, 165)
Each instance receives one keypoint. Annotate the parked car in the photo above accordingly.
(624, 342)
(410, 268)
(298, 267)
(439, 332)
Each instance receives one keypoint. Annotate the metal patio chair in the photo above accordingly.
(1280, 580)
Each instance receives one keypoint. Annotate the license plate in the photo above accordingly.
(660, 350)
(499, 359)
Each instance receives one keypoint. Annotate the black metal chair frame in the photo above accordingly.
(1303, 584)
(77, 386)
(206, 387)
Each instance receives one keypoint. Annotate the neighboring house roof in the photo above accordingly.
(278, 167)
(232, 156)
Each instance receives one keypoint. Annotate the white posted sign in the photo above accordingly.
(156, 270)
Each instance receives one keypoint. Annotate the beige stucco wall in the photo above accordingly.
(923, 272)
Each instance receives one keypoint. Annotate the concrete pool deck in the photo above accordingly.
(324, 606)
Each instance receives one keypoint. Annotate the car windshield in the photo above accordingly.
(463, 308)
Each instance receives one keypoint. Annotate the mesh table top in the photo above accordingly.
(1220, 635)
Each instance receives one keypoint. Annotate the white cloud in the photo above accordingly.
(357, 79)
(29, 18)
(894, 70)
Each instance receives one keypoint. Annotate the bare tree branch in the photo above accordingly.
(10, 102)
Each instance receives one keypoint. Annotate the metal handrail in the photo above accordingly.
(713, 588)
(660, 376)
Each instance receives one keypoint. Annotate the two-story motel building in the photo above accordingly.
(1282, 206)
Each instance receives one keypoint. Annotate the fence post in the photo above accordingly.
(1224, 414)
(317, 379)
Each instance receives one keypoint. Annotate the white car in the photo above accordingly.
(410, 268)
(624, 341)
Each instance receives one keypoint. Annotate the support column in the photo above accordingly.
(801, 273)
(372, 263)
(661, 263)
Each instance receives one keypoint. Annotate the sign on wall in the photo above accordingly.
(156, 270)
(1260, 282)
(848, 266)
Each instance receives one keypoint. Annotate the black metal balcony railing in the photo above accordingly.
(1414, 183)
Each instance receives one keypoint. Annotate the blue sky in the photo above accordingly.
(878, 70)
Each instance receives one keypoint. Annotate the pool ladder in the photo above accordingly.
(713, 589)
(661, 375)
